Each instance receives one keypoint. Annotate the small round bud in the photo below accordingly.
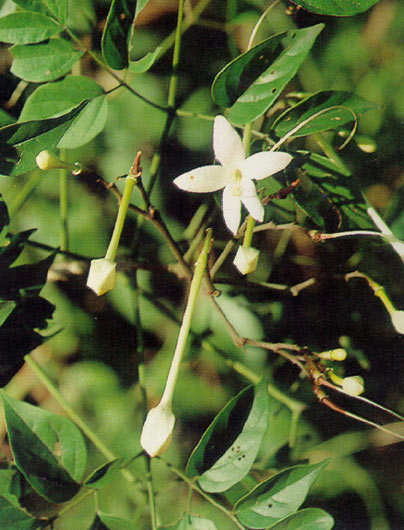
(157, 430)
(46, 160)
(354, 385)
(102, 275)
(246, 259)
(339, 354)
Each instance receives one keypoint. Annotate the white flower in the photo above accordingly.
(353, 385)
(246, 259)
(102, 275)
(397, 319)
(235, 174)
(157, 430)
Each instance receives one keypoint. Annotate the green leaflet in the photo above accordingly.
(251, 83)
(48, 449)
(278, 496)
(240, 427)
(45, 61)
(114, 42)
(336, 7)
(27, 28)
(344, 108)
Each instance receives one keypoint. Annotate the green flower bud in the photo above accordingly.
(47, 160)
(339, 354)
(102, 275)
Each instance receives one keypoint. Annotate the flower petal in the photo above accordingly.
(246, 259)
(227, 144)
(262, 165)
(250, 199)
(204, 179)
(231, 209)
(102, 275)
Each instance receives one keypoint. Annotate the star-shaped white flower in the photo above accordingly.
(235, 174)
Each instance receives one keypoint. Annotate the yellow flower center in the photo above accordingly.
(236, 187)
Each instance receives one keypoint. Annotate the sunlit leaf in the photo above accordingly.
(114, 42)
(336, 7)
(307, 519)
(105, 521)
(253, 81)
(55, 8)
(278, 496)
(145, 63)
(45, 61)
(48, 449)
(25, 140)
(55, 99)
(230, 445)
(348, 106)
(27, 28)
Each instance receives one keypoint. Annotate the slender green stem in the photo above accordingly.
(25, 191)
(150, 493)
(207, 497)
(142, 386)
(188, 22)
(99, 444)
(273, 391)
(63, 204)
(172, 88)
(248, 234)
(377, 289)
(102, 64)
(123, 207)
(186, 321)
(259, 22)
(222, 258)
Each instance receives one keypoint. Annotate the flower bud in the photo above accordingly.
(246, 259)
(102, 275)
(353, 385)
(339, 354)
(47, 160)
(397, 319)
(157, 430)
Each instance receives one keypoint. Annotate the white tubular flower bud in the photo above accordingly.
(397, 319)
(157, 430)
(246, 259)
(102, 275)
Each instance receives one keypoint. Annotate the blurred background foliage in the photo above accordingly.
(93, 356)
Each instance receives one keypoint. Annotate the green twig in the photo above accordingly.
(123, 207)
(25, 191)
(99, 444)
(63, 204)
(207, 497)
